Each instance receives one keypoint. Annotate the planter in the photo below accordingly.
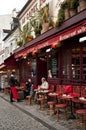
(67, 14)
(29, 39)
(82, 5)
(67, 1)
(45, 27)
(19, 43)
(72, 12)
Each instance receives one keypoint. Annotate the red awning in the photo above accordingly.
(68, 33)
(2, 66)
(11, 62)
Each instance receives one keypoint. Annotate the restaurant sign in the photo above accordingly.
(79, 29)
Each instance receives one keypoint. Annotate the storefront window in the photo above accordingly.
(75, 64)
(84, 64)
(66, 66)
(53, 65)
(33, 68)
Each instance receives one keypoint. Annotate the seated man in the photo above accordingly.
(43, 86)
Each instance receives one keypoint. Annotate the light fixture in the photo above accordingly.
(48, 50)
(82, 39)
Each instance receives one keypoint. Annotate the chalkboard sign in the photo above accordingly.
(54, 67)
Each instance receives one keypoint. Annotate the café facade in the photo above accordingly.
(59, 54)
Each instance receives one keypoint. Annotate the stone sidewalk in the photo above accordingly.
(43, 117)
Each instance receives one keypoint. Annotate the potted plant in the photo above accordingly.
(73, 7)
(60, 18)
(82, 5)
(65, 6)
(36, 24)
(44, 17)
(19, 43)
(63, 13)
(29, 37)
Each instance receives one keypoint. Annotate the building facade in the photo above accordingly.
(58, 54)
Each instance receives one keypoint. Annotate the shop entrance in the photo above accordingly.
(41, 68)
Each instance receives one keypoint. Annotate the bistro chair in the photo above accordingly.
(82, 113)
(66, 89)
(28, 100)
(59, 91)
(50, 90)
(82, 98)
(76, 95)
(61, 106)
(51, 107)
(40, 102)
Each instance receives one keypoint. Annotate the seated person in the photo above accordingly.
(43, 86)
(29, 88)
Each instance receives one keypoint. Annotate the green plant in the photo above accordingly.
(60, 16)
(74, 4)
(19, 43)
(36, 24)
(51, 23)
(24, 33)
(65, 5)
(44, 12)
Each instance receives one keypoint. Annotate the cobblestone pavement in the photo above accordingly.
(20, 116)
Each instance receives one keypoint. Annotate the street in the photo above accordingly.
(11, 118)
(20, 116)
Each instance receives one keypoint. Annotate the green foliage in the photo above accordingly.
(65, 5)
(19, 43)
(44, 13)
(74, 4)
(36, 23)
(60, 17)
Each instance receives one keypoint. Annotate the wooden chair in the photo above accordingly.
(61, 106)
(83, 94)
(51, 106)
(41, 102)
(59, 91)
(76, 94)
(51, 88)
(83, 91)
(28, 100)
(82, 113)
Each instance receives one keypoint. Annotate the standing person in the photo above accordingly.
(13, 91)
(29, 88)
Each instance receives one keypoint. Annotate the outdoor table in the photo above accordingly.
(54, 95)
(64, 96)
(42, 92)
(82, 100)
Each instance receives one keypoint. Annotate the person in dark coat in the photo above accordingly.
(29, 88)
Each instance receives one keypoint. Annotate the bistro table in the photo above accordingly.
(54, 95)
(68, 97)
(82, 101)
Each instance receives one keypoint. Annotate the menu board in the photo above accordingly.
(54, 67)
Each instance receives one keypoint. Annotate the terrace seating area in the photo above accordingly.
(62, 100)
(68, 98)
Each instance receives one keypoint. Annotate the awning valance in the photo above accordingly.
(11, 61)
(68, 33)
(2, 66)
